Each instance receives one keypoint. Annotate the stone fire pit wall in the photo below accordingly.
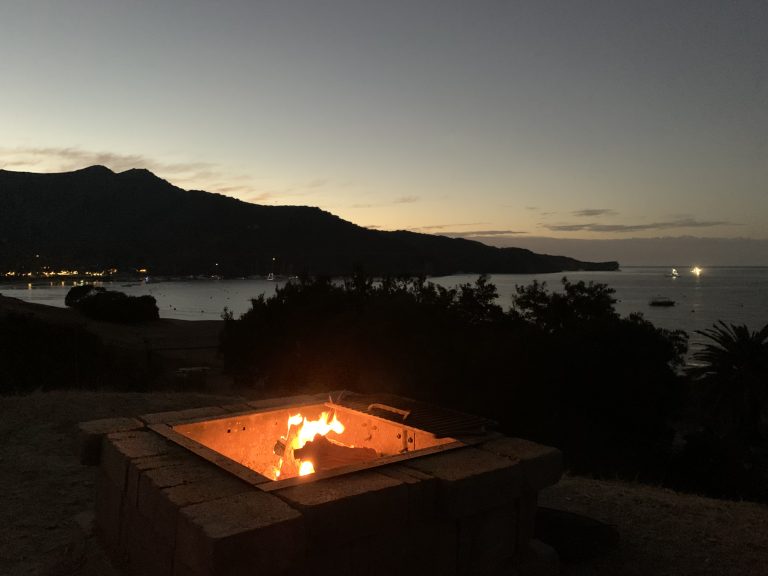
(163, 510)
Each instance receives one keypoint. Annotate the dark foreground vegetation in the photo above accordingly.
(111, 306)
(560, 367)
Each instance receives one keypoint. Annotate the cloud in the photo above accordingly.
(442, 226)
(259, 198)
(594, 212)
(594, 227)
(473, 233)
(398, 200)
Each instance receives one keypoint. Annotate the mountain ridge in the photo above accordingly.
(97, 218)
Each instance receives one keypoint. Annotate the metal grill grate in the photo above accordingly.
(440, 421)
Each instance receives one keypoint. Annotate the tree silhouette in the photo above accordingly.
(733, 370)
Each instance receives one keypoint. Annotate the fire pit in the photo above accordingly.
(339, 483)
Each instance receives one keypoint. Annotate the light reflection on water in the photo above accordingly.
(735, 295)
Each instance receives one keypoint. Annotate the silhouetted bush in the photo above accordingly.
(101, 304)
(77, 293)
(726, 448)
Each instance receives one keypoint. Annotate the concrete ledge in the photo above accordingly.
(470, 480)
(542, 466)
(119, 448)
(250, 533)
(340, 509)
(181, 415)
(163, 491)
(91, 433)
(138, 466)
(421, 488)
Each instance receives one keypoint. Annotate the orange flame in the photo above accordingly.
(306, 432)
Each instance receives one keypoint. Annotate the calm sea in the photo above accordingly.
(735, 295)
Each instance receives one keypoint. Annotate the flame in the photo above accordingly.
(311, 428)
(305, 432)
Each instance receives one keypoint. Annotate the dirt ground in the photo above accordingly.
(167, 344)
(46, 506)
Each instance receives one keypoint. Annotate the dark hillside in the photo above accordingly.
(94, 218)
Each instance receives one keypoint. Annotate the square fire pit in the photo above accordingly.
(331, 484)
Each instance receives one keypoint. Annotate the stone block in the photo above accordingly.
(421, 487)
(327, 562)
(151, 483)
(148, 554)
(109, 514)
(119, 448)
(383, 555)
(537, 559)
(171, 500)
(487, 540)
(433, 547)
(470, 480)
(181, 569)
(174, 416)
(138, 466)
(542, 465)
(339, 509)
(92, 432)
(527, 506)
(249, 533)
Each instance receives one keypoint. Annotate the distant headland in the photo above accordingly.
(96, 219)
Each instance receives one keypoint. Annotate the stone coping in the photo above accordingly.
(200, 519)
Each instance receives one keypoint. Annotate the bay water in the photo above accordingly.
(737, 295)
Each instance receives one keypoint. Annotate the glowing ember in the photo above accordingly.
(306, 467)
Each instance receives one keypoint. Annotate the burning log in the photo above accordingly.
(325, 454)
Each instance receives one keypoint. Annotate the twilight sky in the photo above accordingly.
(509, 121)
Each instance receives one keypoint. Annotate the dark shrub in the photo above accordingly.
(101, 304)
(77, 293)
